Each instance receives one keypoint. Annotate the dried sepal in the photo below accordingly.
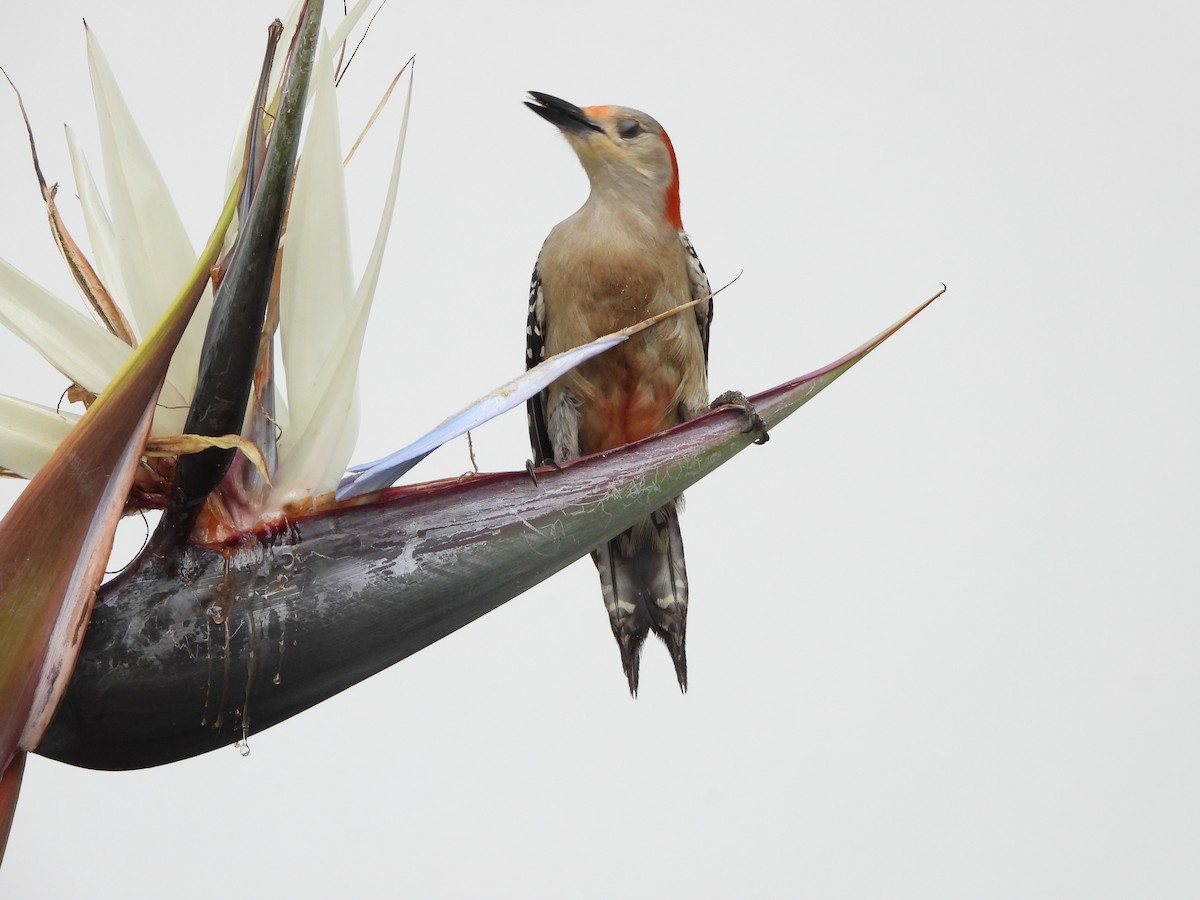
(80, 267)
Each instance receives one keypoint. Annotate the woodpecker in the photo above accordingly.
(621, 258)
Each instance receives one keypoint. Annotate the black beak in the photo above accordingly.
(561, 114)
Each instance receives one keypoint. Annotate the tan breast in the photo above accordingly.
(601, 275)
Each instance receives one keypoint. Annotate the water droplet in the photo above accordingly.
(243, 746)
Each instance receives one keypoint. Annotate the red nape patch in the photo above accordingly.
(671, 195)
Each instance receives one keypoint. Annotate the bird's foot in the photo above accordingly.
(529, 468)
(754, 422)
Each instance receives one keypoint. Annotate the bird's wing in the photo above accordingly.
(535, 350)
(700, 288)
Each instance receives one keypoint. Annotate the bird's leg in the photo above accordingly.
(754, 422)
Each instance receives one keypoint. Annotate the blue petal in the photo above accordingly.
(372, 476)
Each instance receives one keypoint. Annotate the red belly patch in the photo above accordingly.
(630, 409)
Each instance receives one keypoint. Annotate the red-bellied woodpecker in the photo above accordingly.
(622, 258)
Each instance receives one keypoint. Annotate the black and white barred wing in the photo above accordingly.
(700, 288)
(535, 351)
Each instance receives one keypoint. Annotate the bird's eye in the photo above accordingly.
(629, 128)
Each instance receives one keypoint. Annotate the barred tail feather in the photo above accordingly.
(626, 613)
(668, 608)
(644, 582)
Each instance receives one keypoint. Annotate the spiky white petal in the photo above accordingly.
(319, 451)
(142, 255)
(155, 253)
(29, 433)
(317, 282)
(71, 342)
(99, 225)
(348, 22)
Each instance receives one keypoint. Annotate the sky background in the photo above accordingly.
(944, 636)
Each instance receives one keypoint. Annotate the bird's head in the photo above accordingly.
(625, 153)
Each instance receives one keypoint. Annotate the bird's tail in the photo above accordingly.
(644, 581)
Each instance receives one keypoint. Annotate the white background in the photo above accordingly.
(945, 630)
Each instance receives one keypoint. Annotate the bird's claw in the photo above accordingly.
(529, 468)
(754, 422)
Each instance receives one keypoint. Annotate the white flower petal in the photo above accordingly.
(370, 280)
(29, 433)
(237, 153)
(71, 342)
(290, 22)
(155, 253)
(99, 225)
(317, 284)
(348, 22)
(340, 33)
(319, 451)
